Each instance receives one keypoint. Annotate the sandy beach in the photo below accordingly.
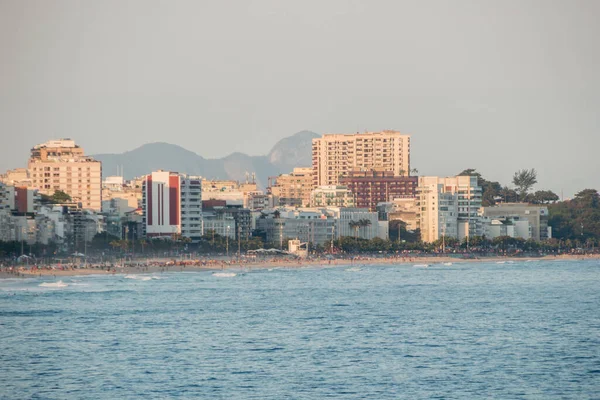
(166, 265)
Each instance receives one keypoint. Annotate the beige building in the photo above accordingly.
(404, 210)
(335, 155)
(16, 177)
(536, 217)
(232, 192)
(62, 165)
(293, 189)
(332, 196)
(120, 196)
(448, 207)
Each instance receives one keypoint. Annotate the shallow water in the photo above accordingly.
(521, 330)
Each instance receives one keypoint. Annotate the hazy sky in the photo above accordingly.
(493, 85)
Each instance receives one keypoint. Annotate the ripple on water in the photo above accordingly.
(522, 330)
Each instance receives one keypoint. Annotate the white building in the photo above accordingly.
(219, 226)
(495, 227)
(448, 207)
(536, 217)
(318, 225)
(172, 205)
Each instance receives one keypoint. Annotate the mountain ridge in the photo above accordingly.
(289, 152)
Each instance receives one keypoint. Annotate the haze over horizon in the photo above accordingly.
(496, 86)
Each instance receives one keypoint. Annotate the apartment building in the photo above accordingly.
(335, 155)
(62, 165)
(172, 205)
(292, 189)
(332, 196)
(378, 186)
(448, 207)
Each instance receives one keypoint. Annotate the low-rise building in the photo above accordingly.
(318, 225)
(535, 215)
(331, 196)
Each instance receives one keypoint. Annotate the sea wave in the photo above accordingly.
(59, 284)
(224, 274)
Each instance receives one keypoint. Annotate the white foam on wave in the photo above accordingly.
(500, 262)
(447, 264)
(138, 277)
(353, 269)
(224, 274)
(421, 266)
(59, 284)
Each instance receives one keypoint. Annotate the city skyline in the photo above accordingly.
(544, 182)
(476, 85)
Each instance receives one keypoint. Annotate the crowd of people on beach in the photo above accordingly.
(244, 262)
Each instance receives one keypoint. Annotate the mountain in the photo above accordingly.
(290, 152)
(293, 151)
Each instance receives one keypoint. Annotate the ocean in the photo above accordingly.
(463, 331)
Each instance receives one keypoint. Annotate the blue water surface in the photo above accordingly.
(466, 331)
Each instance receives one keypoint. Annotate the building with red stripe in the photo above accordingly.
(172, 205)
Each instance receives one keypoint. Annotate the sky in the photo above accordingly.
(492, 85)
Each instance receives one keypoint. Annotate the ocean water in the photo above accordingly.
(463, 331)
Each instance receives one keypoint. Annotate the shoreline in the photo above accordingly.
(159, 266)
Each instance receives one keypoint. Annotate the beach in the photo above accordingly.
(216, 264)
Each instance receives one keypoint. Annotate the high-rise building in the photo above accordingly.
(62, 165)
(292, 189)
(335, 155)
(172, 205)
(448, 207)
(376, 186)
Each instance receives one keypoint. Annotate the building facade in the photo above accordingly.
(62, 165)
(404, 210)
(448, 207)
(535, 215)
(215, 210)
(335, 155)
(332, 196)
(305, 224)
(378, 186)
(292, 189)
(172, 205)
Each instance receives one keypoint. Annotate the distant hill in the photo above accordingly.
(290, 152)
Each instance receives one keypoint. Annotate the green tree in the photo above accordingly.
(541, 197)
(524, 179)
(60, 197)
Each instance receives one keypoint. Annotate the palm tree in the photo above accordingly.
(363, 223)
(355, 225)
(414, 171)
